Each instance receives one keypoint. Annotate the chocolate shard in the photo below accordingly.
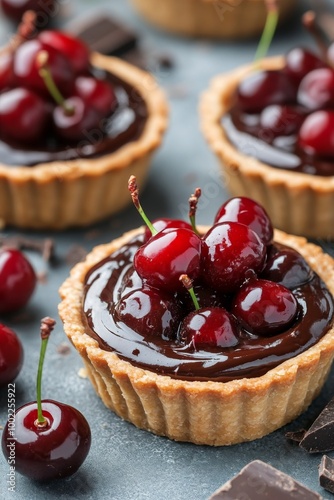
(261, 481)
(320, 436)
(296, 436)
(105, 35)
(326, 473)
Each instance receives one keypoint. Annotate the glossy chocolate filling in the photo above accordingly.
(124, 124)
(252, 357)
(243, 131)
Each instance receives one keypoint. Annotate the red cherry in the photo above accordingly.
(248, 212)
(149, 312)
(6, 70)
(316, 90)
(16, 8)
(316, 134)
(24, 115)
(300, 61)
(54, 450)
(17, 280)
(162, 223)
(209, 327)
(11, 355)
(286, 266)
(72, 125)
(74, 49)
(262, 88)
(280, 120)
(231, 253)
(265, 308)
(166, 256)
(26, 68)
(96, 93)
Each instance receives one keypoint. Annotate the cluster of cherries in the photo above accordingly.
(45, 426)
(47, 88)
(297, 100)
(238, 280)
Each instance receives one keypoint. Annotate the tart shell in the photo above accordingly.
(297, 203)
(79, 192)
(229, 19)
(201, 412)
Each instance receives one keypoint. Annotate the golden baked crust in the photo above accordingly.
(79, 192)
(296, 202)
(229, 19)
(212, 413)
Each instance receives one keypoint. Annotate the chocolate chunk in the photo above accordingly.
(260, 481)
(45, 247)
(326, 473)
(296, 436)
(320, 436)
(105, 35)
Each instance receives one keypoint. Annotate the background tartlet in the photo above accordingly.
(79, 192)
(202, 412)
(297, 203)
(230, 19)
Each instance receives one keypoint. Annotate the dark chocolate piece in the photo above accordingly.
(260, 481)
(326, 473)
(45, 247)
(320, 436)
(105, 35)
(296, 436)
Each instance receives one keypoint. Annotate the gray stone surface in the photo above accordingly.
(126, 463)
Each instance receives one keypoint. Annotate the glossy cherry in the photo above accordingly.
(27, 71)
(231, 253)
(149, 312)
(300, 61)
(280, 120)
(74, 49)
(209, 327)
(164, 223)
(262, 88)
(74, 118)
(17, 280)
(45, 9)
(249, 212)
(98, 94)
(24, 115)
(49, 440)
(11, 355)
(316, 134)
(316, 90)
(286, 266)
(166, 256)
(6, 70)
(265, 308)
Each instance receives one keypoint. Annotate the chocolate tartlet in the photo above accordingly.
(297, 194)
(205, 396)
(60, 184)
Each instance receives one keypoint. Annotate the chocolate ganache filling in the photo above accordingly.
(253, 356)
(243, 130)
(124, 124)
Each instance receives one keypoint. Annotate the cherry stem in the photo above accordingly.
(45, 73)
(188, 284)
(309, 22)
(193, 202)
(47, 325)
(268, 30)
(134, 191)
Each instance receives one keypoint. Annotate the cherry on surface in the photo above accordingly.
(209, 327)
(149, 312)
(17, 280)
(265, 308)
(231, 253)
(247, 211)
(54, 450)
(11, 355)
(316, 134)
(24, 115)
